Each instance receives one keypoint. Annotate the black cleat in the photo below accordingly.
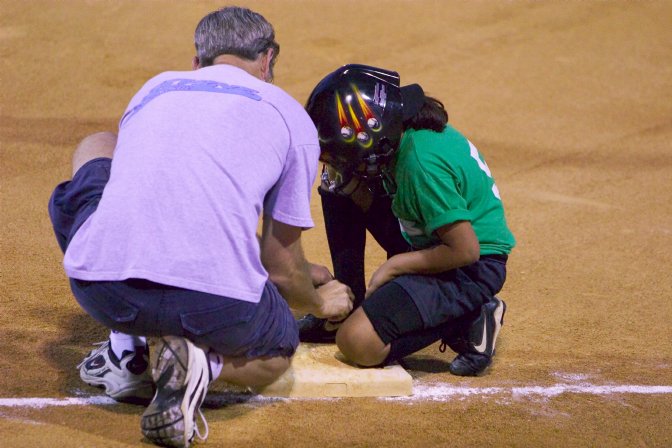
(312, 329)
(469, 364)
(476, 351)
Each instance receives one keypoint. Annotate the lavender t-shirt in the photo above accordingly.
(200, 154)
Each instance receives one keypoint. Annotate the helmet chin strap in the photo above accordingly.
(377, 168)
(374, 162)
(376, 176)
(336, 184)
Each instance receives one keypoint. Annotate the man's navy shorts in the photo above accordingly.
(135, 306)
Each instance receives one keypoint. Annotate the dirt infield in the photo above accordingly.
(570, 103)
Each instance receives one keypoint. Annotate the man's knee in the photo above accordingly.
(100, 144)
(359, 342)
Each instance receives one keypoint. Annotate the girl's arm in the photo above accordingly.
(460, 248)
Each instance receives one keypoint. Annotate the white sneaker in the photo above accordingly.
(126, 379)
(182, 375)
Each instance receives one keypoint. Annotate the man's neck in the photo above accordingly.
(251, 67)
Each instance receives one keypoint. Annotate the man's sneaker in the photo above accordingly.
(314, 329)
(476, 351)
(126, 379)
(181, 374)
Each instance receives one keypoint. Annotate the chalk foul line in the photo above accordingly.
(421, 392)
(446, 392)
(48, 402)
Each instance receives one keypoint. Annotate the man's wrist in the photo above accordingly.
(317, 304)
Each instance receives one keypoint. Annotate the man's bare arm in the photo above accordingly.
(283, 258)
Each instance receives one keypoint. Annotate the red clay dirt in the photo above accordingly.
(569, 102)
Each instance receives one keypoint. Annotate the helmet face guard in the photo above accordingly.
(358, 113)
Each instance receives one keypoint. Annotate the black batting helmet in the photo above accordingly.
(359, 112)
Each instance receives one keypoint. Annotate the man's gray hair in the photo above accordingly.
(236, 31)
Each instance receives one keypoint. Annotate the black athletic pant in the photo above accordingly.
(346, 225)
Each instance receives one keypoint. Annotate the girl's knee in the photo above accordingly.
(361, 344)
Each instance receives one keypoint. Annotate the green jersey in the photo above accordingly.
(441, 178)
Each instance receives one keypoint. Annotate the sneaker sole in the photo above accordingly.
(499, 322)
(134, 392)
(140, 390)
(171, 425)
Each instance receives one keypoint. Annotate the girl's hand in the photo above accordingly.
(387, 272)
(460, 247)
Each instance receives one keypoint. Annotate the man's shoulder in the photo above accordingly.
(292, 112)
(224, 78)
(282, 99)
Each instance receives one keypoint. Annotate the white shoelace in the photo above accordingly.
(205, 423)
(201, 437)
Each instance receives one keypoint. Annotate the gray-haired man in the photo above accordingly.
(161, 240)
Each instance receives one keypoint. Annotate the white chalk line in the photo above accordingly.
(446, 392)
(421, 392)
(49, 402)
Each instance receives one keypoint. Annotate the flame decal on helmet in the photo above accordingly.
(354, 129)
(371, 119)
(346, 130)
(355, 121)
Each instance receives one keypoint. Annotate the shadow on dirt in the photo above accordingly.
(79, 333)
(421, 365)
(78, 336)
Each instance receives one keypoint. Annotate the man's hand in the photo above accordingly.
(320, 275)
(336, 301)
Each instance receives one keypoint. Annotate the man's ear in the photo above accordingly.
(195, 63)
(266, 69)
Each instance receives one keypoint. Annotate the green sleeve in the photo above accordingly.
(439, 202)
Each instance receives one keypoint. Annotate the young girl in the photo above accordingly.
(380, 140)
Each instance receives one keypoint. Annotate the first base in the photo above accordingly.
(320, 370)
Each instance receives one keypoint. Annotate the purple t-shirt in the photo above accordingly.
(200, 154)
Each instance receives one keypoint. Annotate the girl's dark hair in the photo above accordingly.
(432, 116)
